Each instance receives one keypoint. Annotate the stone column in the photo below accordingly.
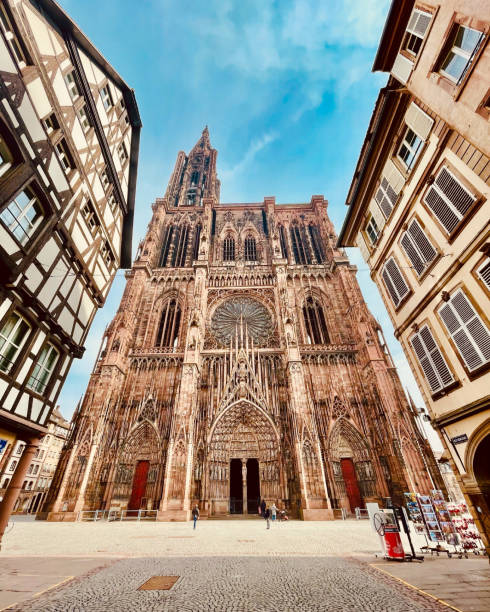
(81, 495)
(244, 484)
(15, 486)
(66, 474)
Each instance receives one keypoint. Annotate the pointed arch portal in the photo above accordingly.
(244, 460)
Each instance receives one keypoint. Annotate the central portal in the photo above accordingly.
(253, 486)
(236, 487)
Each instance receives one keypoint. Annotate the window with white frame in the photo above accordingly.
(13, 465)
(431, 360)
(122, 152)
(418, 247)
(417, 27)
(13, 335)
(386, 197)
(90, 217)
(6, 158)
(395, 282)
(112, 201)
(23, 215)
(71, 85)
(467, 330)
(464, 46)
(64, 155)
(107, 255)
(10, 35)
(409, 148)
(84, 118)
(105, 94)
(372, 230)
(448, 199)
(104, 177)
(43, 369)
(483, 273)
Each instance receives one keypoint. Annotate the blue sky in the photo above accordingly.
(285, 87)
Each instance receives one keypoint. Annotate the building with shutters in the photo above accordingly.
(69, 137)
(419, 212)
(243, 363)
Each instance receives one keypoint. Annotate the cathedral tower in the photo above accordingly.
(243, 363)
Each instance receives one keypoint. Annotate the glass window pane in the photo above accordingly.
(454, 65)
(467, 39)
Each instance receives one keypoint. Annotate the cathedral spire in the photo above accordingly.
(194, 177)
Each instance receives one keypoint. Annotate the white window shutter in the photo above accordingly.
(431, 360)
(377, 214)
(393, 176)
(394, 281)
(412, 254)
(361, 244)
(448, 199)
(484, 274)
(419, 23)
(469, 333)
(418, 121)
(402, 68)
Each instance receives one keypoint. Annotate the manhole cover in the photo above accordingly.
(159, 583)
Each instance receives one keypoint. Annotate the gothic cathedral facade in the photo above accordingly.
(243, 364)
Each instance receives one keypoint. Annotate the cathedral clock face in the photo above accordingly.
(228, 318)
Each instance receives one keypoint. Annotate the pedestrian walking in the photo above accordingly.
(273, 511)
(267, 516)
(195, 514)
(262, 507)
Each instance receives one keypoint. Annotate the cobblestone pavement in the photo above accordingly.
(235, 584)
(243, 537)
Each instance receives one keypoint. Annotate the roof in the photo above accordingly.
(395, 26)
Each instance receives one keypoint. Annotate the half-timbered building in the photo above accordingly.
(69, 138)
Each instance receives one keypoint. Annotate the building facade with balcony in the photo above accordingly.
(69, 139)
(419, 212)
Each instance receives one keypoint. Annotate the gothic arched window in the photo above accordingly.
(284, 243)
(250, 249)
(195, 247)
(181, 240)
(316, 242)
(316, 328)
(301, 250)
(229, 249)
(167, 241)
(168, 329)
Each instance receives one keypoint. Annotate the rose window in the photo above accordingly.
(230, 316)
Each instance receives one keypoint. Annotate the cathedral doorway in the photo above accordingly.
(236, 487)
(253, 486)
(351, 484)
(139, 485)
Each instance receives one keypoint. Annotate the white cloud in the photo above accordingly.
(255, 146)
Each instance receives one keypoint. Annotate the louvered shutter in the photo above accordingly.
(467, 330)
(394, 177)
(402, 68)
(377, 214)
(389, 188)
(395, 283)
(484, 274)
(362, 246)
(417, 246)
(418, 23)
(448, 199)
(431, 360)
(418, 121)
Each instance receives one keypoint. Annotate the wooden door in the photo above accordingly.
(139, 485)
(351, 485)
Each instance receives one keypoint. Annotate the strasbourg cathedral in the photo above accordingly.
(242, 364)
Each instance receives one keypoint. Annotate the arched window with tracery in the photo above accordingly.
(166, 244)
(229, 249)
(181, 240)
(195, 247)
(316, 328)
(250, 249)
(168, 328)
(316, 242)
(284, 242)
(299, 241)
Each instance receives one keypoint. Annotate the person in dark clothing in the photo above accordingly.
(267, 516)
(262, 507)
(195, 514)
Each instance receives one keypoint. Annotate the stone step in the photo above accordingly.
(234, 517)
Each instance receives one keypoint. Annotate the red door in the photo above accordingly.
(351, 486)
(139, 485)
